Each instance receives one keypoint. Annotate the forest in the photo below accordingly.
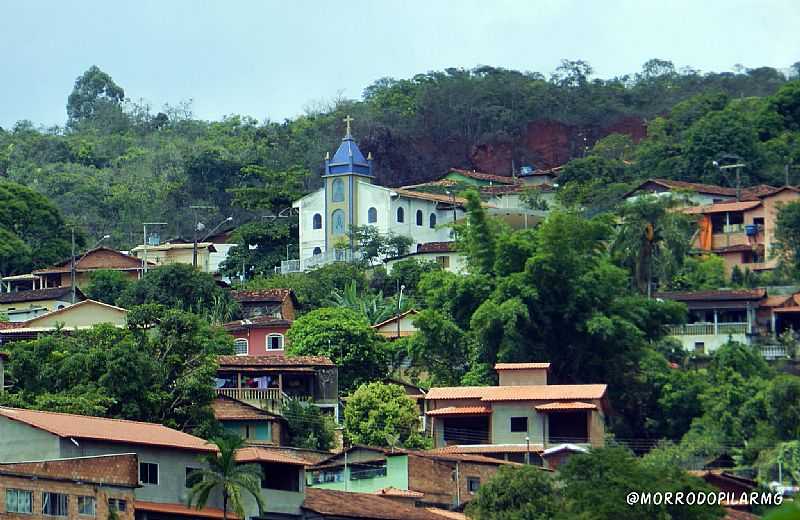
(118, 162)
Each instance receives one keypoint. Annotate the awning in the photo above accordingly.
(182, 510)
(786, 310)
(565, 406)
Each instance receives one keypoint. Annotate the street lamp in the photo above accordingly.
(399, 306)
(200, 227)
(72, 273)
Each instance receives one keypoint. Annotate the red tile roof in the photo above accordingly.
(570, 405)
(460, 410)
(273, 361)
(229, 409)
(264, 454)
(689, 186)
(181, 510)
(521, 366)
(98, 258)
(327, 502)
(432, 197)
(257, 322)
(110, 430)
(261, 295)
(436, 247)
(737, 294)
(519, 393)
(395, 492)
(394, 318)
(467, 449)
(114, 470)
(54, 293)
(503, 179)
(722, 207)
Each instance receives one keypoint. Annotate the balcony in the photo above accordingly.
(709, 329)
(304, 264)
(270, 399)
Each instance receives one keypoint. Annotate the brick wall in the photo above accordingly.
(436, 478)
(71, 489)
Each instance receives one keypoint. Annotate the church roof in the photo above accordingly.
(348, 158)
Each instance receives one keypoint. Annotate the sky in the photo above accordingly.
(273, 59)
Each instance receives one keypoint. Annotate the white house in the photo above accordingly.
(348, 198)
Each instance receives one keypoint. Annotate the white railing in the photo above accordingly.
(772, 351)
(708, 329)
(304, 264)
(251, 394)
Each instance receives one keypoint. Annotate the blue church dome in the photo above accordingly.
(348, 158)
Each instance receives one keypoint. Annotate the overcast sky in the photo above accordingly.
(270, 59)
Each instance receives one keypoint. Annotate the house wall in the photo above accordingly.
(772, 207)
(309, 238)
(20, 442)
(458, 261)
(397, 474)
(406, 326)
(501, 423)
(83, 315)
(437, 479)
(172, 464)
(424, 233)
(72, 489)
(520, 377)
(711, 342)
(257, 340)
(259, 430)
(50, 305)
(597, 428)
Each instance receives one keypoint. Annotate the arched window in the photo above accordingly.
(433, 220)
(240, 346)
(419, 217)
(337, 222)
(401, 215)
(337, 190)
(317, 251)
(317, 221)
(372, 216)
(275, 342)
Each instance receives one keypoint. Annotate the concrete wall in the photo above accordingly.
(50, 305)
(257, 340)
(83, 315)
(501, 423)
(520, 377)
(310, 238)
(20, 442)
(711, 342)
(396, 476)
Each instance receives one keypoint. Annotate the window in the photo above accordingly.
(337, 222)
(443, 261)
(419, 217)
(401, 215)
(240, 346)
(519, 424)
(148, 473)
(54, 504)
(86, 506)
(473, 483)
(699, 347)
(117, 504)
(317, 251)
(193, 476)
(275, 342)
(372, 216)
(19, 501)
(316, 221)
(337, 190)
(432, 220)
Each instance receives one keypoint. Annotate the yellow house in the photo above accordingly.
(83, 315)
(24, 305)
(398, 326)
(177, 253)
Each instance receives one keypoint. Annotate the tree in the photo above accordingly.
(787, 234)
(107, 286)
(372, 244)
(346, 338)
(95, 95)
(180, 286)
(308, 427)
(652, 240)
(440, 347)
(516, 493)
(371, 306)
(32, 231)
(380, 414)
(225, 475)
(701, 273)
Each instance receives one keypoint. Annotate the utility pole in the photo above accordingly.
(737, 166)
(399, 306)
(72, 265)
(144, 252)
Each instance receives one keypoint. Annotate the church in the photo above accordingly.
(349, 198)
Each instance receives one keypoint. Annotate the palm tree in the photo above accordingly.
(372, 306)
(652, 239)
(230, 478)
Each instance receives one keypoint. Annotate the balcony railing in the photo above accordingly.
(251, 394)
(363, 474)
(708, 329)
(304, 264)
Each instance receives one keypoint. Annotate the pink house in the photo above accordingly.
(268, 314)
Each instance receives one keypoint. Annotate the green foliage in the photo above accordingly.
(181, 286)
(95, 96)
(314, 287)
(107, 286)
(308, 427)
(703, 273)
(408, 273)
(372, 244)
(516, 493)
(346, 338)
(380, 414)
(224, 475)
(161, 369)
(371, 306)
(787, 234)
(439, 347)
(32, 232)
